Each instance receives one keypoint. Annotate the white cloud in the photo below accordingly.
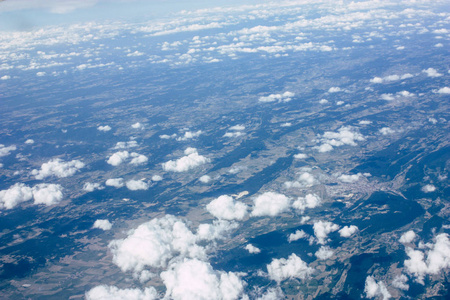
(387, 97)
(407, 237)
(103, 292)
(186, 163)
(405, 94)
(287, 124)
(205, 179)
(298, 234)
(323, 101)
(59, 168)
(90, 187)
(386, 131)
(309, 201)
(334, 89)
(365, 122)
(429, 188)
(350, 178)
(226, 208)
(102, 224)
(270, 204)
(125, 145)
(400, 282)
(285, 97)
(375, 289)
(138, 159)
(29, 142)
(188, 135)
(137, 125)
(15, 195)
(432, 72)
(157, 178)
(252, 249)
(104, 128)
(444, 90)
(48, 194)
(324, 253)
(233, 134)
(300, 156)
(196, 279)
(390, 78)
(135, 185)
(431, 261)
(118, 158)
(322, 229)
(348, 231)
(115, 182)
(340, 102)
(292, 267)
(344, 136)
(4, 151)
(237, 128)
(5, 77)
(167, 137)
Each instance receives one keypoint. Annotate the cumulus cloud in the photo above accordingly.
(400, 282)
(4, 151)
(237, 128)
(115, 182)
(407, 237)
(348, 231)
(252, 249)
(135, 185)
(90, 187)
(137, 125)
(344, 136)
(118, 158)
(390, 78)
(138, 159)
(157, 178)
(104, 128)
(270, 204)
(205, 179)
(309, 201)
(196, 279)
(429, 188)
(103, 292)
(298, 234)
(386, 131)
(432, 72)
(304, 180)
(322, 229)
(15, 195)
(292, 267)
(226, 208)
(444, 90)
(334, 89)
(126, 145)
(365, 122)
(59, 168)
(29, 142)
(431, 261)
(102, 224)
(324, 253)
(285, 97)
(376, 289)
(188, 135)
(233, 134)
(48, 194)
(300, 156)
(350, 178)
(323, 101)
(186, 163)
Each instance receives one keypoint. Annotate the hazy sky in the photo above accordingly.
(32, 14)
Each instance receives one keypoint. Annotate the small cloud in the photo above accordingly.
(188, 135)
(322, 229)
(5, 77)
(224, 207)
(115, 182)
(432, 72)
(135, 185)
(59, 168)
(157, 178)
(298, 234)
(285, 97)
(350, 178)
(334, 89)
(252, 249)
(444, 90)
(48, 194)
(90, 187)
(186, 163)
(324, 253)
(270, 204)
(138, 159)
(287, 124)
(386, 131)
(429, 188)
(348, 231)
(323, 101)
(374, 289)
(102, 224)
(400, 282)
(233, 134)
(104, 128)
(15, 195)
(292, 267)
(205, 179)
(102, 292)
(237, 128)
(118, 158)
(300, 156)
(364, 122)
(126, 145)
(137, 126)
(309, 201)
(407, 237)
(29, 142)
